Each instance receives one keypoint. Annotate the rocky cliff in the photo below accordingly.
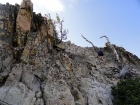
(37, 70)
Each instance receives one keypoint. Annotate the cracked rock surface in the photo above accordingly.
(34, 72)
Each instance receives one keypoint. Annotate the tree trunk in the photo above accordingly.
(114, 50)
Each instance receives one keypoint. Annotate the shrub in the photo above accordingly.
(127, 92)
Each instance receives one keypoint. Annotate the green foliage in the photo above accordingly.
(127, 92)
(63, 32)
(49, 19)
(59, 32)
(58, 18)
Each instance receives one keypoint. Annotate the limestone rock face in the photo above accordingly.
(36, 71)
(50, 35)
(7, 22)
(97, 93)
(24, 15)
(50, 31)
(23, 21)
(58, 94)
(17, 94)
(7, 18)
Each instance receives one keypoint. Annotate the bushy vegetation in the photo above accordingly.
(59, 31)
(127, 92)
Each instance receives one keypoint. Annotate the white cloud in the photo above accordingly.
(51, 5)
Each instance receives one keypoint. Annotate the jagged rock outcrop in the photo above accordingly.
(23, 22)
(35, 72)
(24, 16)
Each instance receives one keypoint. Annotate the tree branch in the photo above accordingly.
(106, 39)
(90, 43)
(114, 50)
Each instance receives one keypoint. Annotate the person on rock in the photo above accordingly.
(100, 55)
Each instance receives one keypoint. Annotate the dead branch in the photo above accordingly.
(106, 39)
(114, 50)
(90, 43)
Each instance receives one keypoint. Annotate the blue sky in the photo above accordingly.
(117, 19)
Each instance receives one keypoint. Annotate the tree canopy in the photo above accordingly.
(127, 92)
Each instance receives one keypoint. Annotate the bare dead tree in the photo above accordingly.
(57, 24)
(63, 33)
(90, 43)
(111, 46)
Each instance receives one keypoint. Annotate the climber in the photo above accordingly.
(100, 54)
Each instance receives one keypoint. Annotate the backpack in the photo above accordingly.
(100, 53)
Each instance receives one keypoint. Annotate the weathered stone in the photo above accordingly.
(39, 95)
(23, 21)
(7, 18)
(17, 94)
(29, 79)
(78, 97)
(60, 46)
(15, 75)
(39, 102)
(25, 15)
(57, 94)
(96, 93)
(35, 70)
